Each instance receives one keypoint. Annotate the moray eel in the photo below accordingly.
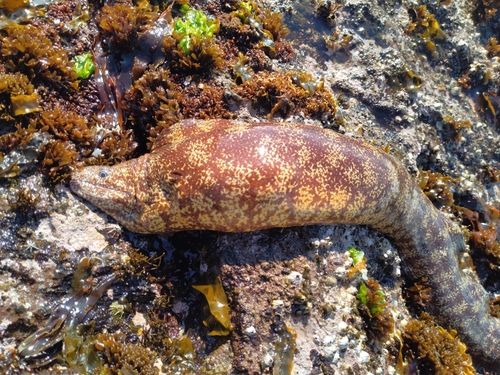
(234, 176)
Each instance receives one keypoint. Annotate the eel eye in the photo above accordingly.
(104, 173)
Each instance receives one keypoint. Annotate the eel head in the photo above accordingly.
(118, 190)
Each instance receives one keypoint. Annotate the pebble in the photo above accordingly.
(342, 327)
(294, 278)
(343, 342)
(363, 357)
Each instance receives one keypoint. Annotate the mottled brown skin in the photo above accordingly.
(237, 177)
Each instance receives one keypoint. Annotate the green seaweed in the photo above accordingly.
(373, 308)
(373, 300)
(195, 25)
(357, 256)
(84, 66)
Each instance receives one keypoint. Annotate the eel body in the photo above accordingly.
(236, 177)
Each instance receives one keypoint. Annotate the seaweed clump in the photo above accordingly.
(251, 27)
(404, 79)
(484, 10)
(438, 188)
(123, 357)
(273, 22)
(219, 320)
(58, 159)
(492, 47)
(72, 136)
(151, 103)
(338, 40)
(178, 353)
(242, 72)
(289, 93)
(121, 24)
(40, 348)
(480, 220)
(439, 351)
(204, 55)
(373, 309)
(268, 26)
(489, 105)
(67, 126)
(17, 89)
(426, 26)
(327, 10)
(28, 50)
(285, 348)
(35, 76)
(453, 128)
(483, 236)
(418, 294)
(358, 262)
(192, 47)
(204, 101)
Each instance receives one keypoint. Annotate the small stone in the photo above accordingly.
(342, 327)
(455, 91)
(314, 243)
(250, 331)
(340, 272)
(328, 340)
(343, 342)
(294, 278)
(278, 305)
(363, 357)
(139, 320)
(267, 361)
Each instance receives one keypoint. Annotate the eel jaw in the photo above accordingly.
(99, 195)
(108, 192)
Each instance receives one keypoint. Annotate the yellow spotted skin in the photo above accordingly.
(237, 177)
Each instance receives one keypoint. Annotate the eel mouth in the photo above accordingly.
(98, 193)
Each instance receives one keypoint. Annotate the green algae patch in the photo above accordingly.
(356, 255)
(84, 66)
(195, 25)
(218, 305)
(372, 299)
(358, 261)
(374, 311)
(192, 47)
